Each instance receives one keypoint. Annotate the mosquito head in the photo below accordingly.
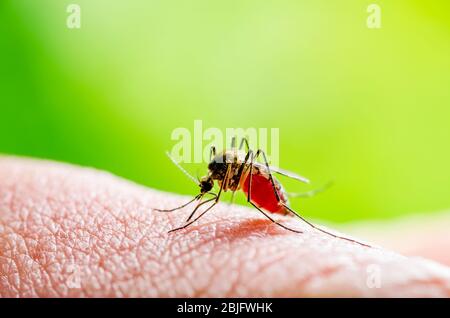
(206, 184)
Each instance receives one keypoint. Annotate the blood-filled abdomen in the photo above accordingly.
(263, 195)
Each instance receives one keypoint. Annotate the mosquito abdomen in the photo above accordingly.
(263, 195)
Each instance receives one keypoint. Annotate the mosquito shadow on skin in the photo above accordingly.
(250, 227)
(238, 230)
(244, 230)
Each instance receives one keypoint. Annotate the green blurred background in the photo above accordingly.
(368, 108)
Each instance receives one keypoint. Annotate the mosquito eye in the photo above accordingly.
(206, 185)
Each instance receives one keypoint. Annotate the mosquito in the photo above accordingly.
(235, 169)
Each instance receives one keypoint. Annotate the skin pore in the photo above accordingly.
(68, 231)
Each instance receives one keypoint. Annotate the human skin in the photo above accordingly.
(425, 234)
(67, 231)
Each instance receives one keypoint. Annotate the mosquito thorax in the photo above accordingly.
(218, 167)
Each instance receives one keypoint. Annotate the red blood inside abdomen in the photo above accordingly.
(262, 193)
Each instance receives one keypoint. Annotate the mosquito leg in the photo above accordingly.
(212, 152)
(240, 173)
(244, 165)
(232, 197)
(249, 196)
(233, 142)
(180, 207)
(266, 163)
(194, 220)
(216, 198)
(276, 222)
(319, 229)
(292, 211)
(197, 207)
(244, 141)
(224, 181)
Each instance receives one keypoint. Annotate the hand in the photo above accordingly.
(72, 232)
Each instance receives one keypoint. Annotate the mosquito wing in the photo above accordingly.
(289, 174)
(282, 172)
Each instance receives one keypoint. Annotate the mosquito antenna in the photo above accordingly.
(181, 168)
(197, 175)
